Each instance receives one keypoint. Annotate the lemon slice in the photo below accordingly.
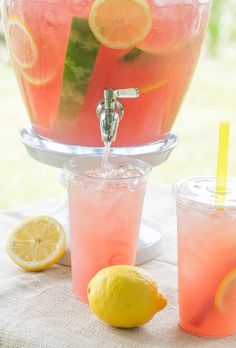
(120, 23)
(225, 298)
(35, 67)
(21, 43)
(37, 243)
(36, 77)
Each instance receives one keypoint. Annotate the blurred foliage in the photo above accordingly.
(2, 39)
(214, 26)
(222, 26)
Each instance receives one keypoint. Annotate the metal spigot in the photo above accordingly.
(110, 111)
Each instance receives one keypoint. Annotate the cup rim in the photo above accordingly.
(75, 173)
(182, 197)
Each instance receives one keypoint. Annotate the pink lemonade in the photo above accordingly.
(62, 69)
(105, 212)
(206, 258)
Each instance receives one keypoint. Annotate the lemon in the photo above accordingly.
(225, 299)
(41, 81)
(151, 87)
(124, 296)
(35, 67)
(31, 76)
(37, 243)
(120, 23)
(21, 43)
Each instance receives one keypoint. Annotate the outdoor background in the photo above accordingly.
(211, 98)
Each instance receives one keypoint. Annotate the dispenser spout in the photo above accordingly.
(110, 111)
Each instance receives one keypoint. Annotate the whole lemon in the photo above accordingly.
(124, 296)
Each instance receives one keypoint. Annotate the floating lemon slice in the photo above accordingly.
(36, 68)
(225, 298)
(152, 86)
(38, 77)
(21, 43)
(120, 23)
(37, 243)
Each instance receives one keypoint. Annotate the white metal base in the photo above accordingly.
(54, 154)
(149, 242)
(148, 246)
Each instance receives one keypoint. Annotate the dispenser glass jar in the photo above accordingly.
(65, 53)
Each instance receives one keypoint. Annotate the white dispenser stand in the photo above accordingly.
(54, 154)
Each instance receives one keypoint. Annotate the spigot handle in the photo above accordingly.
(110, 111)
(127, 93)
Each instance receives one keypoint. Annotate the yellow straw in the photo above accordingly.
(223, 154)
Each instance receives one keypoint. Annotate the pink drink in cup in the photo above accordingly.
(105, 212)
(206, 257)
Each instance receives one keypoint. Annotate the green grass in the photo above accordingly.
(210, 99)
(22, 179)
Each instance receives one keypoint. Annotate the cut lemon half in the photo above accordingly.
(21, 43)
(120, 24)
(225, 298)
(37, 243)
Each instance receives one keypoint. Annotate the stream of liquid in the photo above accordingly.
(111, 168)
(106, 165)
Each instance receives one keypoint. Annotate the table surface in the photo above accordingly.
(39, 310)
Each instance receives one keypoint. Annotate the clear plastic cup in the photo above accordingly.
(105, 212)
(206, 225)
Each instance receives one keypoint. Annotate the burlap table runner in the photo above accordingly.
(39, 310)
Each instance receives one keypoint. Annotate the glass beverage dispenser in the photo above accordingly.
(66, 53)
